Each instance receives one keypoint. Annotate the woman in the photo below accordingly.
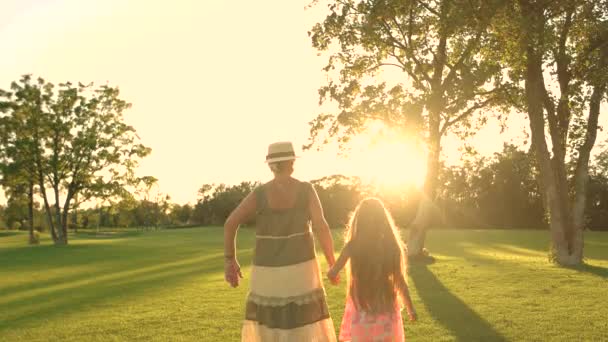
(286, 301)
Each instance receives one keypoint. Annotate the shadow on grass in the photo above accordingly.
(97, 289)
(41, 257)
(126, 249)
(449, 311)
(592, 269)
(80, 261)
(88, 275)
(9, 233)
(117, 260)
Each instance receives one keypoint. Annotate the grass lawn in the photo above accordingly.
(168, 286)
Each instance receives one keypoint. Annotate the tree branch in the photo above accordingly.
(465, 55)
(379, 65)
(465, 114)
(409, 54)
(409, 72)
(423, 4)
(549, 106)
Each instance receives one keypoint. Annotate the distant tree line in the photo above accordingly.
(500, 191)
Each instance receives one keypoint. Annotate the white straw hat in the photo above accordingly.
(280, 151)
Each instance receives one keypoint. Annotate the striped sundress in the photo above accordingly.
(286, 301)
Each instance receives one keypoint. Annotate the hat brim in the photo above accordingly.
(280, 159)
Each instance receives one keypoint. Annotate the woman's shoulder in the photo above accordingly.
(308, 190)
(260, 187)
(305, 184)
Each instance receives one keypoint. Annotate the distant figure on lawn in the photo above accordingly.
(286, 301)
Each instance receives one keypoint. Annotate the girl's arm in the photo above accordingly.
(320, 227)
(245, 210)
(405, 293)
(333, 272)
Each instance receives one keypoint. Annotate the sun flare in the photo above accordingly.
(389, 160)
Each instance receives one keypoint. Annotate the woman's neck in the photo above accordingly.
(282, 178)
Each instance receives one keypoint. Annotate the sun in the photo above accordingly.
(386, 159)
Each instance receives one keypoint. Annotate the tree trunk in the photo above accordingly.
(581, 177)
(47, 209)
(435, 106)
(62, 233)
(65, 214)
(30, 208)
(427, 207)
(561, 213)
(551, 170)
(100, 218)
(75, 220)
(64, 222)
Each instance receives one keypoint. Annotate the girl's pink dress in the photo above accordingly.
(359, 326)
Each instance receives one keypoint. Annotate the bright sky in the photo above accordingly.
(212, 82)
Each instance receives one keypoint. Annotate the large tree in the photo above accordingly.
(78, 143)
(17, 146)
(430, 52)
(557, 51)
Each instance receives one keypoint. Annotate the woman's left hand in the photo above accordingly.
(232, 272)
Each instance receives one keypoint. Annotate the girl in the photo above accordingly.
(376, 276)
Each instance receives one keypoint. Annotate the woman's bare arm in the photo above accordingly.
(321, 228)
(244, 211)
(240, 215)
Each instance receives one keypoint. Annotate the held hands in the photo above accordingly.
(333, 276)
(232, 271)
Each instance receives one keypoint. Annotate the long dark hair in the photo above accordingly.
(378, 263)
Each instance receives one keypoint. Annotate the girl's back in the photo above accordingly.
(376, 281)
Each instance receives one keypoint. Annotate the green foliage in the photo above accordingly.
(216, 202)
(181, 214)
(69, 138)
(597, 193)
(560, 62)
(492, 192)
(3, 224)
(152, 210)
(16, 207)
(339, 195)
(129, 286)
(428, 51)
(572, 49)
(501, 191)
